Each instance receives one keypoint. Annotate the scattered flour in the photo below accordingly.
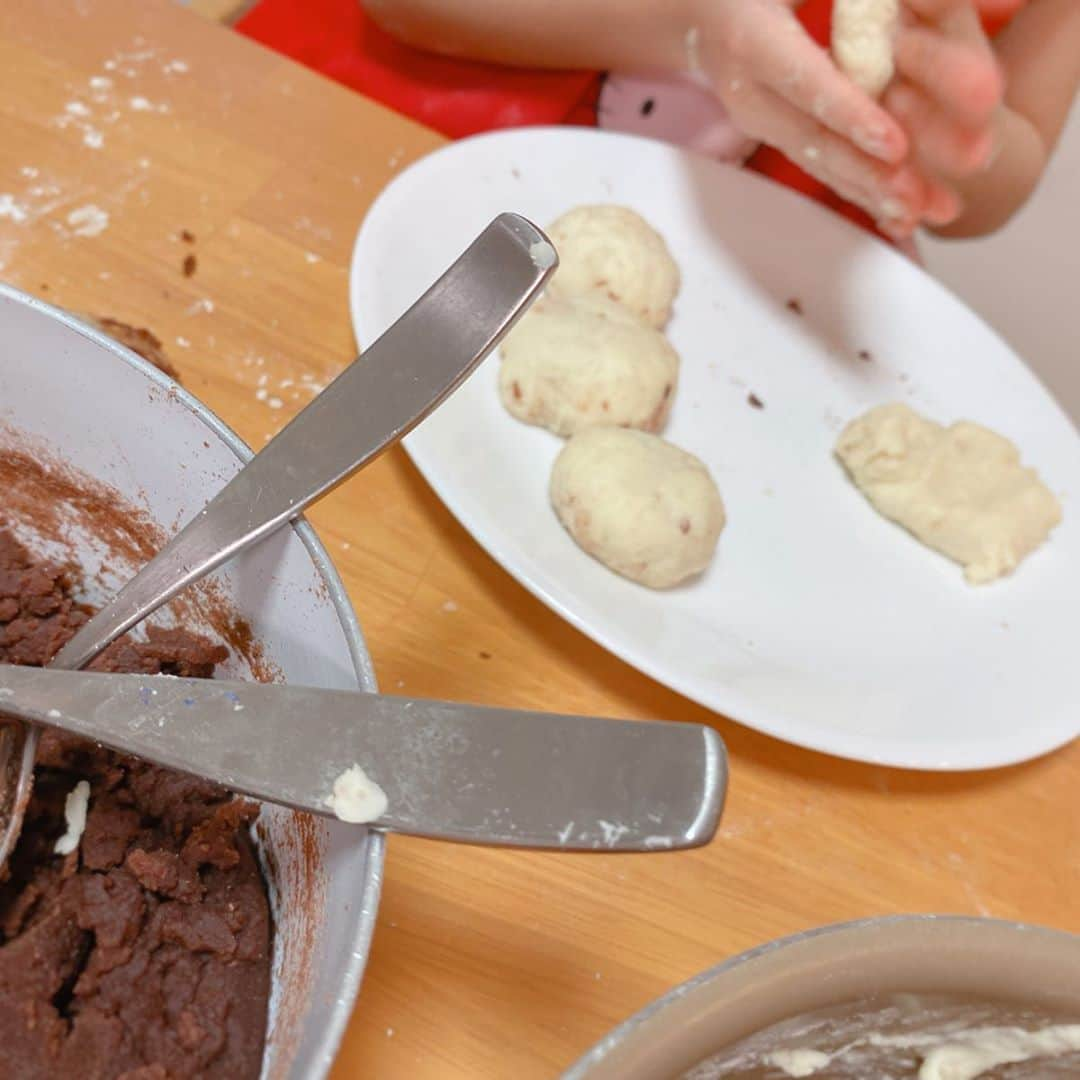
(298, 390)
(11, 209)
(100, 90)
(141, 104)
(88, 220)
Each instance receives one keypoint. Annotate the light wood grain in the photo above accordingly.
(486, 963)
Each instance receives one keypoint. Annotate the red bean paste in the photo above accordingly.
(145, 953)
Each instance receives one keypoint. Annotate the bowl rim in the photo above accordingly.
(582, 1068)
(336, 1017)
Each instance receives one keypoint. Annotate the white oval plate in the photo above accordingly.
(819, 622)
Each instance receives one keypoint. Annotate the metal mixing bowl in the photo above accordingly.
(830, 966)
(134, 456)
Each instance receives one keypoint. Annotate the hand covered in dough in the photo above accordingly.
(781, 88)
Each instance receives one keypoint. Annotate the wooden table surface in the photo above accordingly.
(485, 963)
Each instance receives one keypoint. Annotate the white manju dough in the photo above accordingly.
(862, 41)
(613, 251)
(961, 490)
(643, 507)
(584, 360)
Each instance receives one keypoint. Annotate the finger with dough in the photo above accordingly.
(809, 80)
(745, 46)
(898, 198)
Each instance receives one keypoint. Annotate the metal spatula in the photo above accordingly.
(376, 401)
(448, 771)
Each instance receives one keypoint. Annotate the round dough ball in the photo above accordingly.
(643, 507)
(583, 361)
(615, 252)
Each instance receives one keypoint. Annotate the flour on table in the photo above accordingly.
(12, 210)
(98, 105)
(141, 104)
(88, 220)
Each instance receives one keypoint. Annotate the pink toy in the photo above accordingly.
(674, 109)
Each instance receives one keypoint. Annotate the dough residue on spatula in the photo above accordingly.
(356, 798)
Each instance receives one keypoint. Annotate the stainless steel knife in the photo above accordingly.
(449, 771)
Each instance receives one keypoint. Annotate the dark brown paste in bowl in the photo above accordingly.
(144, 954)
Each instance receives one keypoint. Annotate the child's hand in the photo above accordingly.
(782, 89)
(949, 88)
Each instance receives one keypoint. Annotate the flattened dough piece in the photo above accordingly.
(584, 360)
(862, 33)
(960, 490)
(613, 251)
(643, 507)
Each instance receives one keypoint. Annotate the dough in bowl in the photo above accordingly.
(584, 360)
(643, 507)
(961, 490)
(613, 251)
